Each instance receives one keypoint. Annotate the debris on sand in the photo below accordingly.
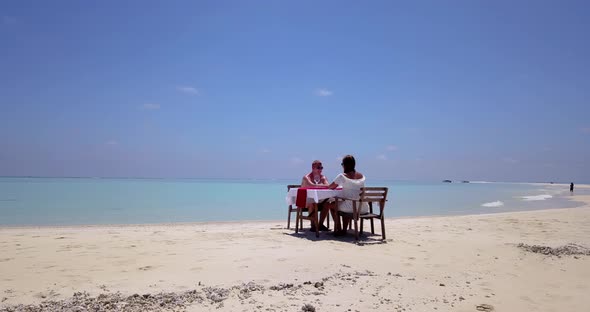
(485, 307)
(308, 308)
(216, 294)
(250, 294)
(566, 250)
(82, 301)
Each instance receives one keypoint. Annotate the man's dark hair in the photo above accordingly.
(348, 163)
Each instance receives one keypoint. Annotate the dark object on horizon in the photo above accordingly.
(572, 187)
(465, 181)
(447, 181)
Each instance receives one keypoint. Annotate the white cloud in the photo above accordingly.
(323, 92)
(296, 160)
(151, 106)
(265, 150)
(509, 160)
(188, 90)
(392, 148)
(112, 142)
(381, 157)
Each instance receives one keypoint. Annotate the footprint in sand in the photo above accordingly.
(580, 286)
(146, 268)
(6, 259)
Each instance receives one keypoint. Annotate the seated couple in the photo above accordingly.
(351, 182)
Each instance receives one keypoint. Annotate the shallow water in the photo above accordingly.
(73, 201)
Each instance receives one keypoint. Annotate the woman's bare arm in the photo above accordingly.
(306, 182)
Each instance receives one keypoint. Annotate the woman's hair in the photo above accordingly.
(348, 163)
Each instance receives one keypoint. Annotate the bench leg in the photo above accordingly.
(316, 221)
(298, 220)
(383, 227)
(355, 217)
(362, 225)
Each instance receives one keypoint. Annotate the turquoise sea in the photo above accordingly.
(82, 201)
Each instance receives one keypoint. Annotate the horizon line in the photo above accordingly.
(458, 181)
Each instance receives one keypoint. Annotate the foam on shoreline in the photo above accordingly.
(537, 197)
(493, 204)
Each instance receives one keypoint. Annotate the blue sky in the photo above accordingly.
(415, 90)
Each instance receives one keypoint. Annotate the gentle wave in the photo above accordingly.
(537, 197)
(493, 204)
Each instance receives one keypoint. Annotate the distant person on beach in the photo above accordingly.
(313, 179)
(572, 187)
(351, 182)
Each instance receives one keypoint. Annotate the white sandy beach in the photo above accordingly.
(437, 263)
